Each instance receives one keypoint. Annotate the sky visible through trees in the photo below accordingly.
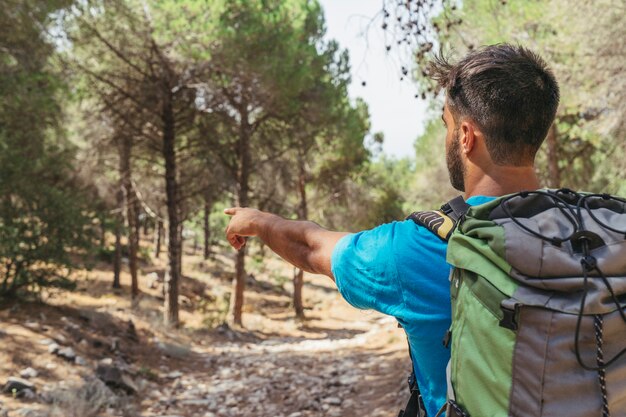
(394, 109)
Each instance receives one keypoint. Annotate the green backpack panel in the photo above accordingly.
(538, 297)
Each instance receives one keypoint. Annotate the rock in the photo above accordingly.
(348, 380)
(28, 394)
(174, 375)
(66, 353)
(173, 350)
(80, 361)
(296, 414)
(28, 373)
(153, 280)
(17, 386)
(46, 342)
(131, 331)
(115, 344)
(332, 400)
(71, 325)
(33, 325)
(29, 412)
(53, 347)
(115, 378)
(198, 402)
(106, 361)
(177, 385)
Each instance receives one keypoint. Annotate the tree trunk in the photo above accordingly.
(553, 158)
(158, 237)
(180, 250)
(303, 214)
(103, 231)
(131, 213)
(117, 257)
(137, 211)
(239, 283)
(172, 276)
(243, 154)
(207, 226)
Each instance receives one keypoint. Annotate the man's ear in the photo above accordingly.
(468, 137)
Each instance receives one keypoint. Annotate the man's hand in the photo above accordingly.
(302, 243)
(243, 223)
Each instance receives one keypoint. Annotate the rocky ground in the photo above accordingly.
(93, 352)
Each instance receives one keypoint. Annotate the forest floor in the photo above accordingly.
(340, 361)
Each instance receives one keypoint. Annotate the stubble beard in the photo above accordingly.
(456, 168)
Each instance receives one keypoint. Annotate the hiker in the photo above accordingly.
(500, 102)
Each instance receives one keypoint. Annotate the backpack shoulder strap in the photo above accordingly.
(442, 222)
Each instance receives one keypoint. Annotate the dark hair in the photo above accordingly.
(508, 91)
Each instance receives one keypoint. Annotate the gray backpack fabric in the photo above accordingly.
(539, 307)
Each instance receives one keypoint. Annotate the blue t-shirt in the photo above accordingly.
(400, 269)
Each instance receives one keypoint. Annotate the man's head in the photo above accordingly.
(500, 102)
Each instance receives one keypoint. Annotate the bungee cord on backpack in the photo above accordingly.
(581, 238)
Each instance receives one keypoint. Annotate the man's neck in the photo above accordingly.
(501, 180)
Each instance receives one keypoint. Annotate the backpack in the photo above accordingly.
(538, 292)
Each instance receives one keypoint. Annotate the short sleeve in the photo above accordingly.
(365, 270)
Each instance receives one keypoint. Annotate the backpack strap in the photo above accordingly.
(415, 406)
(455, 208)
(442, 222)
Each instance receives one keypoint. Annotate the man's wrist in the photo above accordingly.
(263, 224)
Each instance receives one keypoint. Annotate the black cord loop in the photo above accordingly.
(559, 203)
(585, 202)
(588, 262)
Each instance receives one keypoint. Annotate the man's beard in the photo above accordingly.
(456, 169)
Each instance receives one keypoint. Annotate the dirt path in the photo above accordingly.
(339, 362)
(359, 375)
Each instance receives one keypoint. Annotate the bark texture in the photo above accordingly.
(303, 214)
(243, 189)
(131, 203)
(172, 275)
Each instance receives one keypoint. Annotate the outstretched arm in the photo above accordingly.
(302, 243)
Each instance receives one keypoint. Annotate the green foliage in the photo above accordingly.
(149, 373)
(388, 179)
(43, 217)
(431, 184)
(342, 152)
(584, 43)
(377, 195)
(214, 310)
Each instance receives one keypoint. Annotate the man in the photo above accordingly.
(500, 103)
